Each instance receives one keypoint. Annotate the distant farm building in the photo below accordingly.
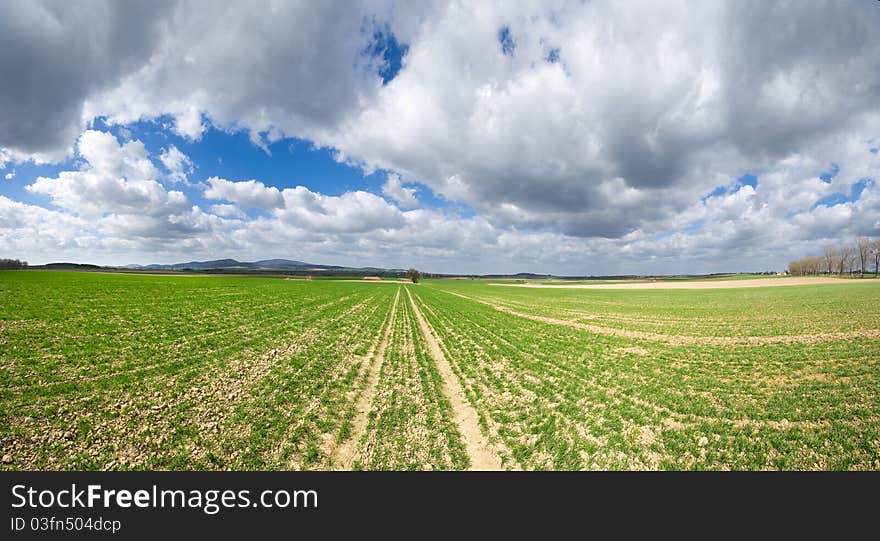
(372, 278)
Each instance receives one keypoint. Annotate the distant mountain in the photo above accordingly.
(278, 263)
(519, 275)
(216, 264)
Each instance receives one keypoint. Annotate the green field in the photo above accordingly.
(103, 371)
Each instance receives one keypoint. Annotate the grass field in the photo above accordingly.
(103, 371)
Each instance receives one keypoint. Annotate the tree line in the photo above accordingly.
(12, 264)
(856, 258)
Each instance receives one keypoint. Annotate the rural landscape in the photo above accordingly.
(441, 235)
(138, 371)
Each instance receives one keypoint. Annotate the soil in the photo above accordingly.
(478, 448)
(346, 454)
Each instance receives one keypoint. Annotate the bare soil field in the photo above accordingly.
(719, 284)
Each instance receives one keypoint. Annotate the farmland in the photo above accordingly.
(103, 371)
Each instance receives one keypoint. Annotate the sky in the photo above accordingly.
(573, 138)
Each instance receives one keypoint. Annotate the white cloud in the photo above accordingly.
(62, 54)
(32, 232)
(138, 221)
(658, 112)
(285, 64)
(111, 208)
(10, 175)
(227, 211)
(177, 163)
(352, 212)
(598, 162)
(394, 189)
(114, 179)
(104, 154)
(188, 123)
(250, 194)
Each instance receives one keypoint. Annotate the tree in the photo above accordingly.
(830, 259)
(12, 264)
(806, 266)
(875, 253)
(842, 258)
(848, 257)
(414, 275)
(863, 245)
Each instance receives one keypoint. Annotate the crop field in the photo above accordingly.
(106, 371)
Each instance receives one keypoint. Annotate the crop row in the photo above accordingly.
(410, 421)
(206, 373)
(154, 372)
(557, 397)
(770, 311)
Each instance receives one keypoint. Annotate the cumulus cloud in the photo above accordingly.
(228, 211)
(660, 113)
(40, 233)
(250, 194)
(571, 129)
(177, 163)
(394, 189)
(352, 212)
(111, 219)
(55, 55)
(114, 196)
(282, 65)
(114, 179)
(188, 123)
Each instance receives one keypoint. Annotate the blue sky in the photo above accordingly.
(232, 156)
(746, 180)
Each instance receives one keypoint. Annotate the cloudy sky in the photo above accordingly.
(554, 137)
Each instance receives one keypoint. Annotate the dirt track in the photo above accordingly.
(719, 284)
(479, 450)
(346, 454)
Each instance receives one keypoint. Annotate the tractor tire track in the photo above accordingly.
(482, 456)
(346, 454)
